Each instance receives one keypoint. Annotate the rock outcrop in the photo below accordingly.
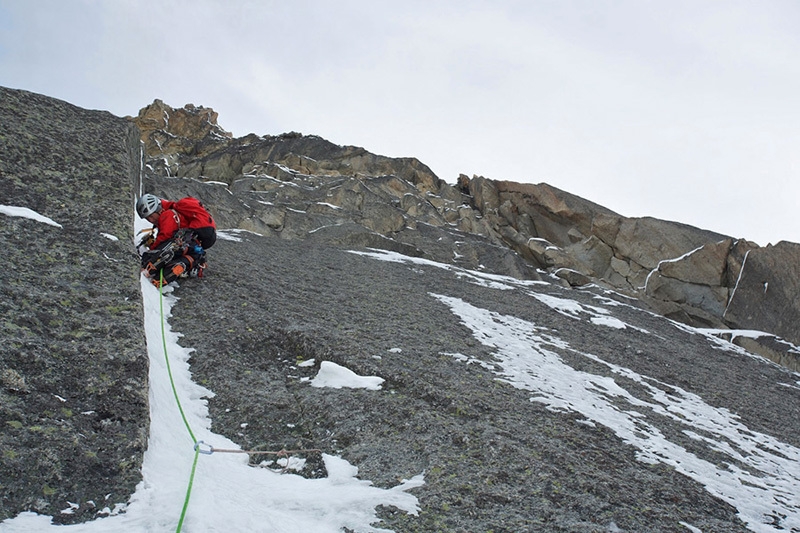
(767, 295)
(298, 187)
(558, 230)
(170, 133)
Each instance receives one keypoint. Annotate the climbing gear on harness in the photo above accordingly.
(179, 257)
(147, 239)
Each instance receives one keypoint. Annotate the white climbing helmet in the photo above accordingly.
(147, 205)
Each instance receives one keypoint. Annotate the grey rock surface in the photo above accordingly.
(493, 460)
(73, 400)
(767, 296)
(307, 183)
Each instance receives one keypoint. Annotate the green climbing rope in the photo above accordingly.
(166, 358)
(178, 401)
(188, 491)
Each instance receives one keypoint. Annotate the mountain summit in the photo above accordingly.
(478, 356)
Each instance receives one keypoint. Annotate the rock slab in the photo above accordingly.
(73, 394)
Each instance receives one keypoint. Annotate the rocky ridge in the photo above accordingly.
(307, 187)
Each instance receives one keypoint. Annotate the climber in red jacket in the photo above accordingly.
(170, 216)
(185, 229)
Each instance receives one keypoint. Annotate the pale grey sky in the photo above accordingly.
(681, 110)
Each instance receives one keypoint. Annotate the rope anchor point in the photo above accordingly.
(202, 447)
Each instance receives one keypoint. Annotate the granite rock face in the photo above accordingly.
(73, 394)
(493, 459)
(170, 132)
(767, 296)
(310, 188)
(296, 276)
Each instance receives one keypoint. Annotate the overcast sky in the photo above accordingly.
(681, 110)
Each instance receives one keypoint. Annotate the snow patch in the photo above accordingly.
(690, 527)
(331, 206)
(24, 212)
(573, 309)
(234, 234)
(484, 279)
(336, 377)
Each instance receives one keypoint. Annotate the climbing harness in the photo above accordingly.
(182, 256)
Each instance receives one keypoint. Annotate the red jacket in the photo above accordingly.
(185, 213)
(168, 223)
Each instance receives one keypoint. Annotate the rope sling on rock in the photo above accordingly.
(201, 447)
(211, 450)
